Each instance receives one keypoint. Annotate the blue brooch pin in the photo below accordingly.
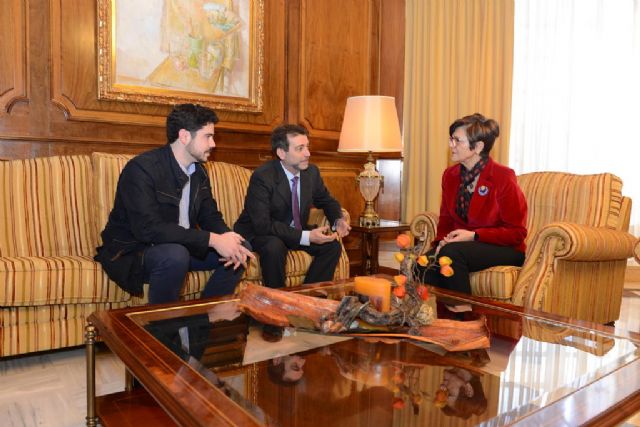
(483, 190)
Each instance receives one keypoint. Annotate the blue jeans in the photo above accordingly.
(166, 266)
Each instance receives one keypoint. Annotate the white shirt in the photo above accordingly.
(183, 219)
(304, 238)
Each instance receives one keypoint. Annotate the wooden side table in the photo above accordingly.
(369, 241)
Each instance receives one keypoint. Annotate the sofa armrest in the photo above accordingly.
(577, 242)
(424, 227)
(566, 242)
(583, 340)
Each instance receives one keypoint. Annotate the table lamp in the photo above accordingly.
(370, 125)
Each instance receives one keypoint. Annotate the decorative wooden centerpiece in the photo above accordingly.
(378, 308)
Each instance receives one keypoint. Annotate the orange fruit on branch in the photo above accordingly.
(444, 260)
(403, 241)
(400, 279)
(423, 260)
(446, 271)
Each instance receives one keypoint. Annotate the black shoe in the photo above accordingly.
(272, 333)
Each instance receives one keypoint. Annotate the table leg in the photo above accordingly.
(373, 258)
(90, 345)
(366, 253)
(129, 380)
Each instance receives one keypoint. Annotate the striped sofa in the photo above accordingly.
(577, 247)
(53, 210)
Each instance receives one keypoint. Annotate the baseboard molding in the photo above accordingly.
(632, 274)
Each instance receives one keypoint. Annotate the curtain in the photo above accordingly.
(458, 61)
(576, 87)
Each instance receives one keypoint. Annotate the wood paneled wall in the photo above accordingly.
(317, 54)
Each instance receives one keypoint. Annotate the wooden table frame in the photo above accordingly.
(192, 401)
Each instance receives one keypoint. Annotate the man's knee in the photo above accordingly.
(273, 249)
(335, 248)
(167, 255)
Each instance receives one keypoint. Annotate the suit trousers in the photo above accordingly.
(467, 257)
(273, 255)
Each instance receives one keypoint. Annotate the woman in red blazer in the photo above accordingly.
(483, 212)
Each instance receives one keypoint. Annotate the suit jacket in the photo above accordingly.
(267, 207)
(497, 211)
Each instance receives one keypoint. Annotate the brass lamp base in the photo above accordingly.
(369, 182)
(369, 218)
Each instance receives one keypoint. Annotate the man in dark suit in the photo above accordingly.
(276, 211)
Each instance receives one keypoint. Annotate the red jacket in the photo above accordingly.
(497, 211)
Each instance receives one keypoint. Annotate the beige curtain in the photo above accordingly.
(459, 56)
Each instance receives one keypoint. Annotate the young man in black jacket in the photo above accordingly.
(165, 221)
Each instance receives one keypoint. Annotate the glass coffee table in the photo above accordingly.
(200, 365)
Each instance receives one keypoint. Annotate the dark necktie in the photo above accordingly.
(294, 203)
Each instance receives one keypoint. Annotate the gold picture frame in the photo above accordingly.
(209, 52)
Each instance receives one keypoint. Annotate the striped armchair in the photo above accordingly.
(577, 247)
(53, 210)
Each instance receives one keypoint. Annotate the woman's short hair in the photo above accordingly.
(478, 128)
(464, 407)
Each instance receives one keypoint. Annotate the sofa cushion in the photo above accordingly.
(106, 173)
(495, 282)
(229, 185)
(557, 196)
(32, 280)
(47, 207)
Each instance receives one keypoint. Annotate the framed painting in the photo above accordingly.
(174, 51)
(243, 379)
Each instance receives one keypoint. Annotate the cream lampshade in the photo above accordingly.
(370, 125)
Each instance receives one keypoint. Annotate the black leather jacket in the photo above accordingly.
(146, 212)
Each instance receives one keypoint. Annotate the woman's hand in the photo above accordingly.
(459, 235)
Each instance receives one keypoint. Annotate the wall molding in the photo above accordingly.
(15, 29)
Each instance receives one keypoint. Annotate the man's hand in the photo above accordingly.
(229, 246)
(342, 227)
(321, 235)
(226, 311)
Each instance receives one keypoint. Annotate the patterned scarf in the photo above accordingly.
(466, 179)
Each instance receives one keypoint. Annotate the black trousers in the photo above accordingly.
(467, 257)
(273, 255)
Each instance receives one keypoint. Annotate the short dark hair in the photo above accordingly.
(191, 117)
(276, 374)
(280, 136)
(478, 128)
